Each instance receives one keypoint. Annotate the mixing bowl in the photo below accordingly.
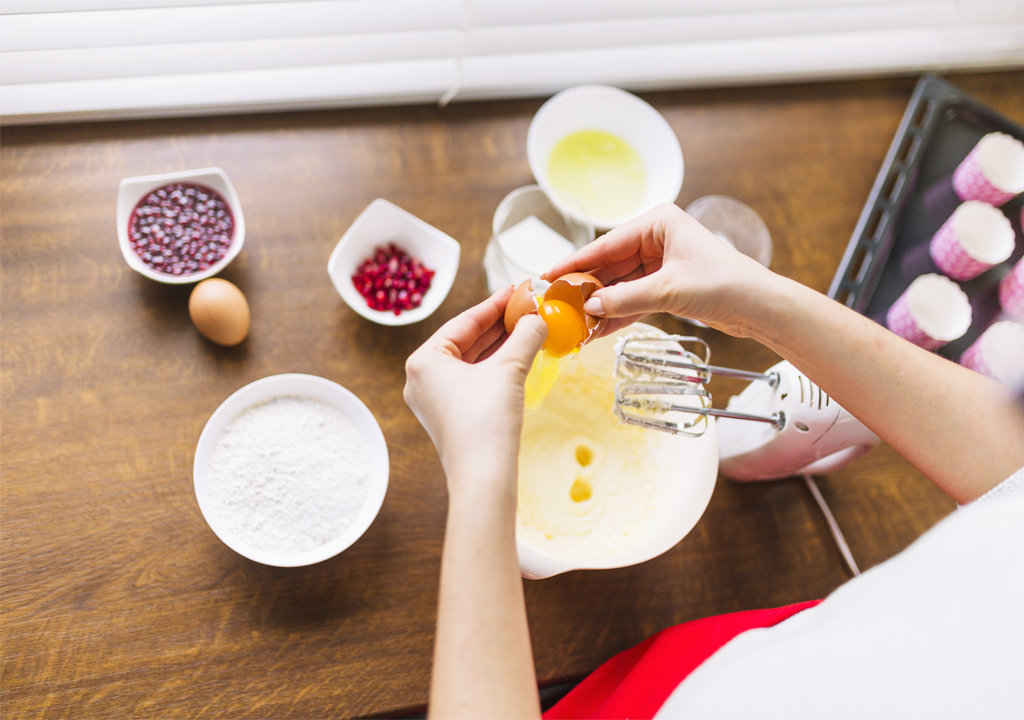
(690, 467)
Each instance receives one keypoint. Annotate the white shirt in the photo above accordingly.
(937, 631)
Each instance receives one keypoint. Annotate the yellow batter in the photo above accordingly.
(588, 486)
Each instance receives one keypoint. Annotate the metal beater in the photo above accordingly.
(781, 425)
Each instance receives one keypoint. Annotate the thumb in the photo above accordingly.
(523, 344)
(635, 297)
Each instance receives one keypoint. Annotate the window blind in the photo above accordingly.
(64, 60)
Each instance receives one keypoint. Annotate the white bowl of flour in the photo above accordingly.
(291, 470)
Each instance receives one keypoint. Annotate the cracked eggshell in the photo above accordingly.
(573, 288)
(522, 302)
(576, 288)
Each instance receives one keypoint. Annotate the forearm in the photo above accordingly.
(483, 663)
(961, 429)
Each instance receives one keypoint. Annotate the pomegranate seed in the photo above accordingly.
(391, 279)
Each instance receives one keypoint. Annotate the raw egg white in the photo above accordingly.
(569, 327)
(219, 311)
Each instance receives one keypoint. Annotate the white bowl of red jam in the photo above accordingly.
(391, 267)
(179, 227)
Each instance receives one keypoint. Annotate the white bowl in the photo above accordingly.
(317, 388)
(381, 223)
(696, 469)
(598, 107)
(131, 192)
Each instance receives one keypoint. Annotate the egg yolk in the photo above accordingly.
(566, 332)
(566, 327)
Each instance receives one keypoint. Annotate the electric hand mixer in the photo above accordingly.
(781, 425)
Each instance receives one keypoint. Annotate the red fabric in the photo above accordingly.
(637, 682)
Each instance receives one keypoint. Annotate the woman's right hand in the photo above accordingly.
(963, 430)
(665, 261)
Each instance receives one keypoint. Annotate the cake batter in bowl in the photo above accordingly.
(594, 493)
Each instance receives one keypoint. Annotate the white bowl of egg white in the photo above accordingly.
(291, 470)
(608, 149)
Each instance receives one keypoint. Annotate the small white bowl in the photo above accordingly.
(308, 386)
(598, 107)
(131, 192)
(381, 223)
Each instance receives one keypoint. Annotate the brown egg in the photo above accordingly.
(574, 289)
(219, 311)
(522, 302)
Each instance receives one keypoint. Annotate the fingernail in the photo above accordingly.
(594, 306)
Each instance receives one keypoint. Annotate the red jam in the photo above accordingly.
(392, 280)
(181, 228)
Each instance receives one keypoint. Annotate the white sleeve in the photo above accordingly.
(937, 631)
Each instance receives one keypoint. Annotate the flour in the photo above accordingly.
(289, 475)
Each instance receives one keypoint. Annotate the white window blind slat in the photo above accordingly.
(984, 46)
(46, 31)
(485, 12)
(488, 13)
(171, 95)
(18, 7)
(44, 66)
(516, 39)
(743, 61)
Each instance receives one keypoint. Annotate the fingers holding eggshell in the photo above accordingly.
(640, 242)
(615, 324)
(493, 348)
(459, 334)
(568, 293)
(491, 336)
(604, 252)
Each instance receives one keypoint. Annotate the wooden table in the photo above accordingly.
(118, 600)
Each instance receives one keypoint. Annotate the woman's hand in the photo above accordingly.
(963, 430)
(665, 261)
(465, 385)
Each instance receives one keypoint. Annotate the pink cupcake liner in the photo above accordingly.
(970, 183)
(901, 321)
(974, 358)
(1011, 292)
(999, 353)
(949, 255)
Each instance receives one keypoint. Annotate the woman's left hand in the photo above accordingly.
(465, 385)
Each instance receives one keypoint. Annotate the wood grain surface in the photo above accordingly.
(118, 600)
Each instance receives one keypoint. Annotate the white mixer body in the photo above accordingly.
(818, 436)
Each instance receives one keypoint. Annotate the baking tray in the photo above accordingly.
(912, 197)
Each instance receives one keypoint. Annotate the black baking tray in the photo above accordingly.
(912, 197)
